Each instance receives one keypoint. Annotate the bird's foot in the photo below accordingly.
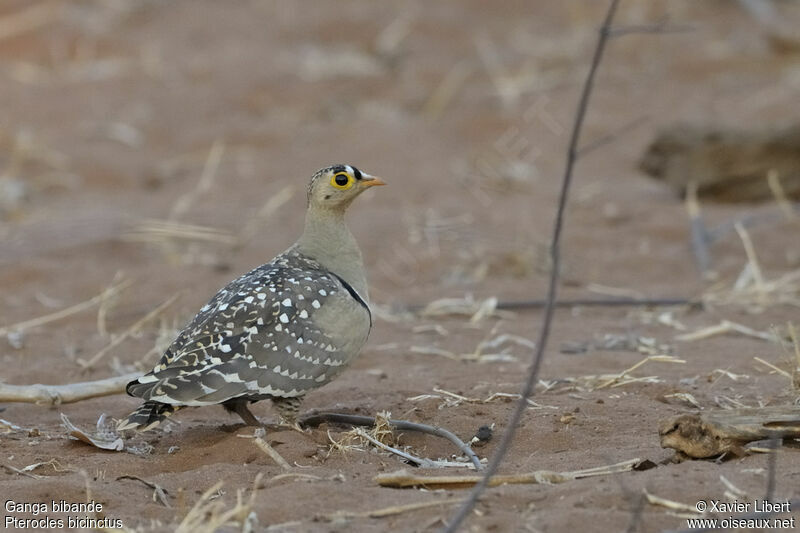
(292, 424)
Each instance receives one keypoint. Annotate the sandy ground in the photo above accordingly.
(111, 110)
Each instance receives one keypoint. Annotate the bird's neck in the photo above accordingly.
(327, 240)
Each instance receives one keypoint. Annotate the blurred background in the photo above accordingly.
(214, 115)
(167, 145)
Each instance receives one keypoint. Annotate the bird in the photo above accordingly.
(277, 332)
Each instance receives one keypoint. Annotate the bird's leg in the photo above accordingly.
(239, 406)
(288, 408)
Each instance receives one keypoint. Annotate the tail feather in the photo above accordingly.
(147, 416)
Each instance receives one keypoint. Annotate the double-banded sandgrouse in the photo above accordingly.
(277, 332)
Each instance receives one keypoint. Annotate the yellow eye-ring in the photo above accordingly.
(342, 180)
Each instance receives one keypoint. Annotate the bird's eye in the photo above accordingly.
(342, 180)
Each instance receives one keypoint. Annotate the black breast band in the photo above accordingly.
(357, 297)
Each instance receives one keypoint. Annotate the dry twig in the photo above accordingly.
(316, 419)
(270, 451)
(60, 394)
(403, 479)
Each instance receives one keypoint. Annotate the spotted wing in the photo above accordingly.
(257, 338)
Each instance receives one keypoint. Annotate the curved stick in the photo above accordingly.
(359, 420)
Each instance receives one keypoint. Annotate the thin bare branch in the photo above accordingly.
(549, 310)
(611, 137)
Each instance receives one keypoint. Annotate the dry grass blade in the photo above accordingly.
(58, 467)
(686, 397)
(294, 475)
(316, 419)
(161, 231)
(753, 290)
(508, 89)
(106, 303)
(699, 235)
(496, 343)
(595, 382)
(467, 306)
(619, 292)
(14, 470)
(275, 202)
(672, 505)
(432, 350)
(620, 379)
(425, 463)
(726, 326)
(730, 375)
(210, 168)
(780, 371)
(64, 313)
(774, 181)
(10, 427)
(208, 515)
(732, 492)
(445, 92)
(380, 434)
(784, 289)
(386, 511)
(451, 399)
(390, 39)
(752, 259)
(491, 350)
(132, 330)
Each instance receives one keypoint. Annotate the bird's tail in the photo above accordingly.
(147, 416)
